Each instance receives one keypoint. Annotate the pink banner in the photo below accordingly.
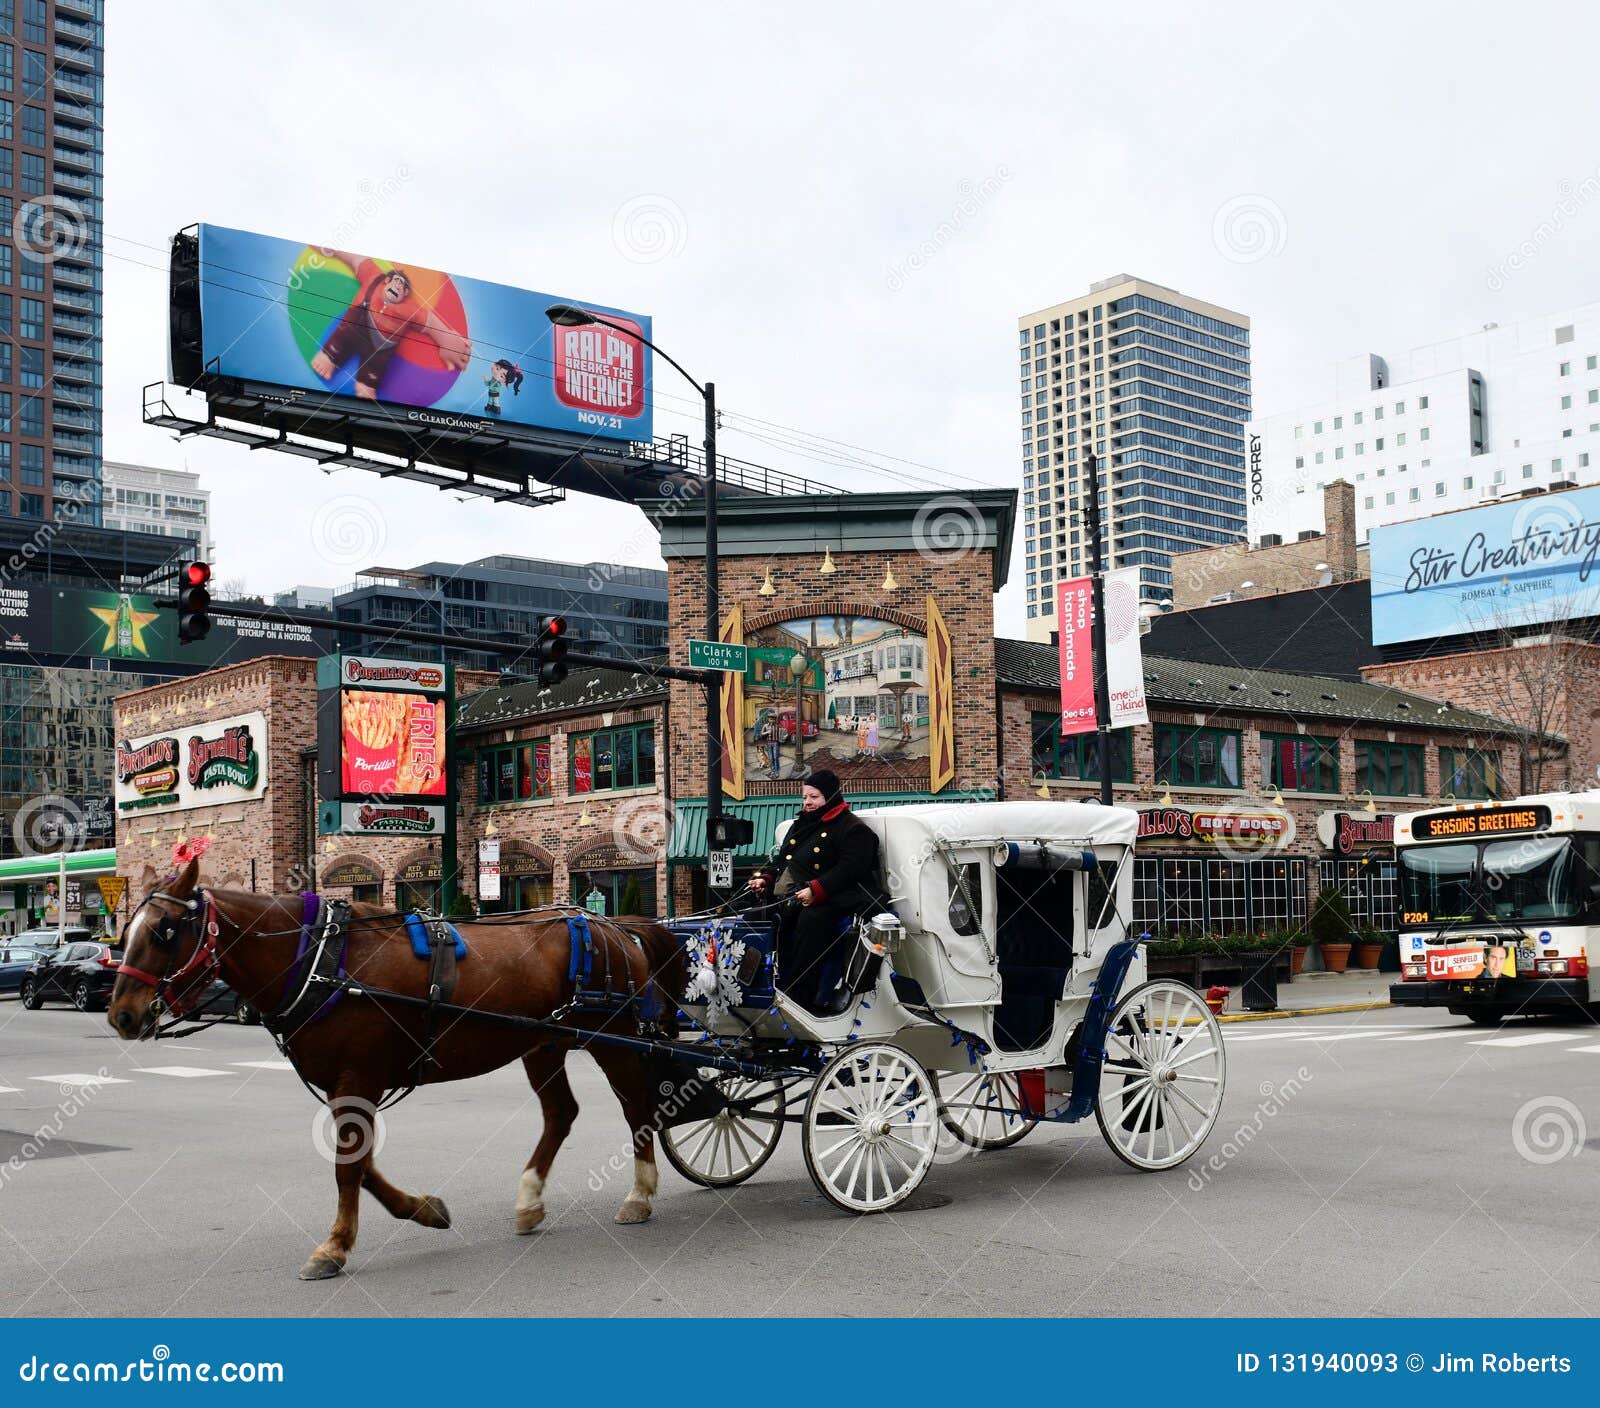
(1074, 606)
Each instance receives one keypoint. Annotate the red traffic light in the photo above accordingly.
(197, 574)
(555, 626)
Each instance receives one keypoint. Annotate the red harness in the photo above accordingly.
(198, 974)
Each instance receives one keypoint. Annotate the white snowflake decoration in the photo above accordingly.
(714, 972)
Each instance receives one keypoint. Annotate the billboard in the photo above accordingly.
(383, 745)
(128, 627)
(206, 765)
(1526, 562)
(450, 351)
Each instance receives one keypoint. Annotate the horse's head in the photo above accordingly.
(169, 952)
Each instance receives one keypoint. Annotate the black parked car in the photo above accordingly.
(79, 973)
(15, 962)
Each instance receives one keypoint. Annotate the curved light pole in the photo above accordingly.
(567, 315)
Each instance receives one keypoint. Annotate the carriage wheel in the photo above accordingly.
(983, 1109)
(1161, 1086)
(871, 1127)
(733, 1144)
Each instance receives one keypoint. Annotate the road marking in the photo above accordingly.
(183, 1072)
(9, 1090)
(1529, 1039)
(265, 1065)
(1586, 1048)
(79, 1078)
(1341, 1036)
(1435, 1035)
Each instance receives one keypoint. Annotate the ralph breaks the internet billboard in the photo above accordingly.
(345, 322)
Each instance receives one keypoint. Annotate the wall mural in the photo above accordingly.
(848, 693)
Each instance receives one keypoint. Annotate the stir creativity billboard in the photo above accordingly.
(318, 319)
(1525, 562)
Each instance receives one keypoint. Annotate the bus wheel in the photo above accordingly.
(1480, 1018)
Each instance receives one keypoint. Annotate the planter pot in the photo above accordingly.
(1335, 957)
(1366, 955)
(1297, 959)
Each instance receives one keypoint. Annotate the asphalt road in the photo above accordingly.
(1379, 1163)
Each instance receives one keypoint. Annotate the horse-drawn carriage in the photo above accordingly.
(1001, 990)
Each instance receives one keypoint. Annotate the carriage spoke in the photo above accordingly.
(1192, 1056)
(1188, 1099)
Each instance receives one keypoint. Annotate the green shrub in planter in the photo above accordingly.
(1330, 919)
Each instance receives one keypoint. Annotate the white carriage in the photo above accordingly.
(1003, 991)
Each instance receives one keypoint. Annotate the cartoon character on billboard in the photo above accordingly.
(392, 312)
(501, 375)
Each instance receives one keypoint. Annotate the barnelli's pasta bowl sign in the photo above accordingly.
(1257, 830)
(203, 766)
(1346, 833)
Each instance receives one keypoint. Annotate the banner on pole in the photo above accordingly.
(1074, 609)
(1124, 657)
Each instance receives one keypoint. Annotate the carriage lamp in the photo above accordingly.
(885, 933)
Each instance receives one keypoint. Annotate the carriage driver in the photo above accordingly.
(828, 862)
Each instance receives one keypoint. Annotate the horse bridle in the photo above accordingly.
(202, 967)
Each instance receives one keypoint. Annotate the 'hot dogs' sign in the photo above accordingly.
(204, 765)
(1267, 831)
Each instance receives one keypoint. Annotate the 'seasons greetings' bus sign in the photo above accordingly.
(1523, 562)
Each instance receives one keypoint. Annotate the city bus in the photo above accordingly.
(1499, 904)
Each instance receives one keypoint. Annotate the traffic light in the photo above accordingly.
(550, 650)
(194, 602)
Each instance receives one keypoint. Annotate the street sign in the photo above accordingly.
(111, 888)
(718, 655)
(489, 868)
(721, 870)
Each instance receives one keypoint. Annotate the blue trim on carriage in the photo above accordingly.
(417, 930)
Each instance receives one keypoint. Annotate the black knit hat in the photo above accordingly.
(827, 783)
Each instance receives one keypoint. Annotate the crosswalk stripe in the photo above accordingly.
(1584, 1048)
(182, 1072)
(265, 1065)
(1434, 1035)
(9, 1090)
(1527, 1039)
(79, 1078)
(1339, 1036)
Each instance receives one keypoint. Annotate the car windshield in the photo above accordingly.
(1526, 881)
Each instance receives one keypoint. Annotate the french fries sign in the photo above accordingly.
(383, 745)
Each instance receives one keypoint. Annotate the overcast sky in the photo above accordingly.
(837, 211)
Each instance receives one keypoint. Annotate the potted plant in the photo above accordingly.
(1330, 929)
(1368, 948)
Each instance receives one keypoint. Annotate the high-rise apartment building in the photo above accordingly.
(1158, 384)
(146, 499)
(1496, 412)
(51, 67)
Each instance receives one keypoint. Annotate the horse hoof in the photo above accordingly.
(528, 1219)
(320, 1268)
(431, 1212)
(631, 1212)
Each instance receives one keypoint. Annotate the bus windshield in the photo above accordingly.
(1533, 880)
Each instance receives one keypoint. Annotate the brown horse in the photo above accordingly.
(181, 936)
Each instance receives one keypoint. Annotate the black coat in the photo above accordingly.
(833, 851)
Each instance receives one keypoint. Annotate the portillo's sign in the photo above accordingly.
(1260, 830)
(209, 765)
(1483, 821)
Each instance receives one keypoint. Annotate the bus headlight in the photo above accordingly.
(1413, 971)
(1551, 967)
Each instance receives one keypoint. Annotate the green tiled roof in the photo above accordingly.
(582, 689)
(1193, 684)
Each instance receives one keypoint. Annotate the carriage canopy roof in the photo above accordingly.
(958, 824)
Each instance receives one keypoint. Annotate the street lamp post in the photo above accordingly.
(566, 315)
(799, 664)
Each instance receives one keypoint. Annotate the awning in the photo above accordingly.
(23, 868)
(688, 844)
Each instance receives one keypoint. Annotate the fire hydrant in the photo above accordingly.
(1216, 997)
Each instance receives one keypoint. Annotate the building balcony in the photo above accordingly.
(72, 55)
(87, 87)
(89, 9)
(77, 160)
(70, 181)
(76, 346)
(76, 418)
(84, 110)
(69, 370)
(69, 132)
(73, 323)
(79, 278)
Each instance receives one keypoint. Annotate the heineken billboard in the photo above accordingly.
(129, 628)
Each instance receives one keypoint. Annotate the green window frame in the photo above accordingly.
(612, 759)
(1390, 769)
(1470, 774)
(515, 772)
(1198, 757)
(1076, 758)
(1299, 762)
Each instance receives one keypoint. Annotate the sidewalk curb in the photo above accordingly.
(1304, 1012)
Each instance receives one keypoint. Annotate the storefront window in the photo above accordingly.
(418, 894)
(517, 773)
(366, 894)
(519, 892)
(1389, 769)
(1469, 775)
(1369, 886)
(1076, 757)
(1295, 763)
(614, 758)
(1189, 894)
(1196, 757)
(623, 891)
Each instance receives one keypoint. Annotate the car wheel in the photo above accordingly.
(32, 998)
(82, 998)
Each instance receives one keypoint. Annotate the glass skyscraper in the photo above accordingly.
(51, 235)
(1158, 383)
